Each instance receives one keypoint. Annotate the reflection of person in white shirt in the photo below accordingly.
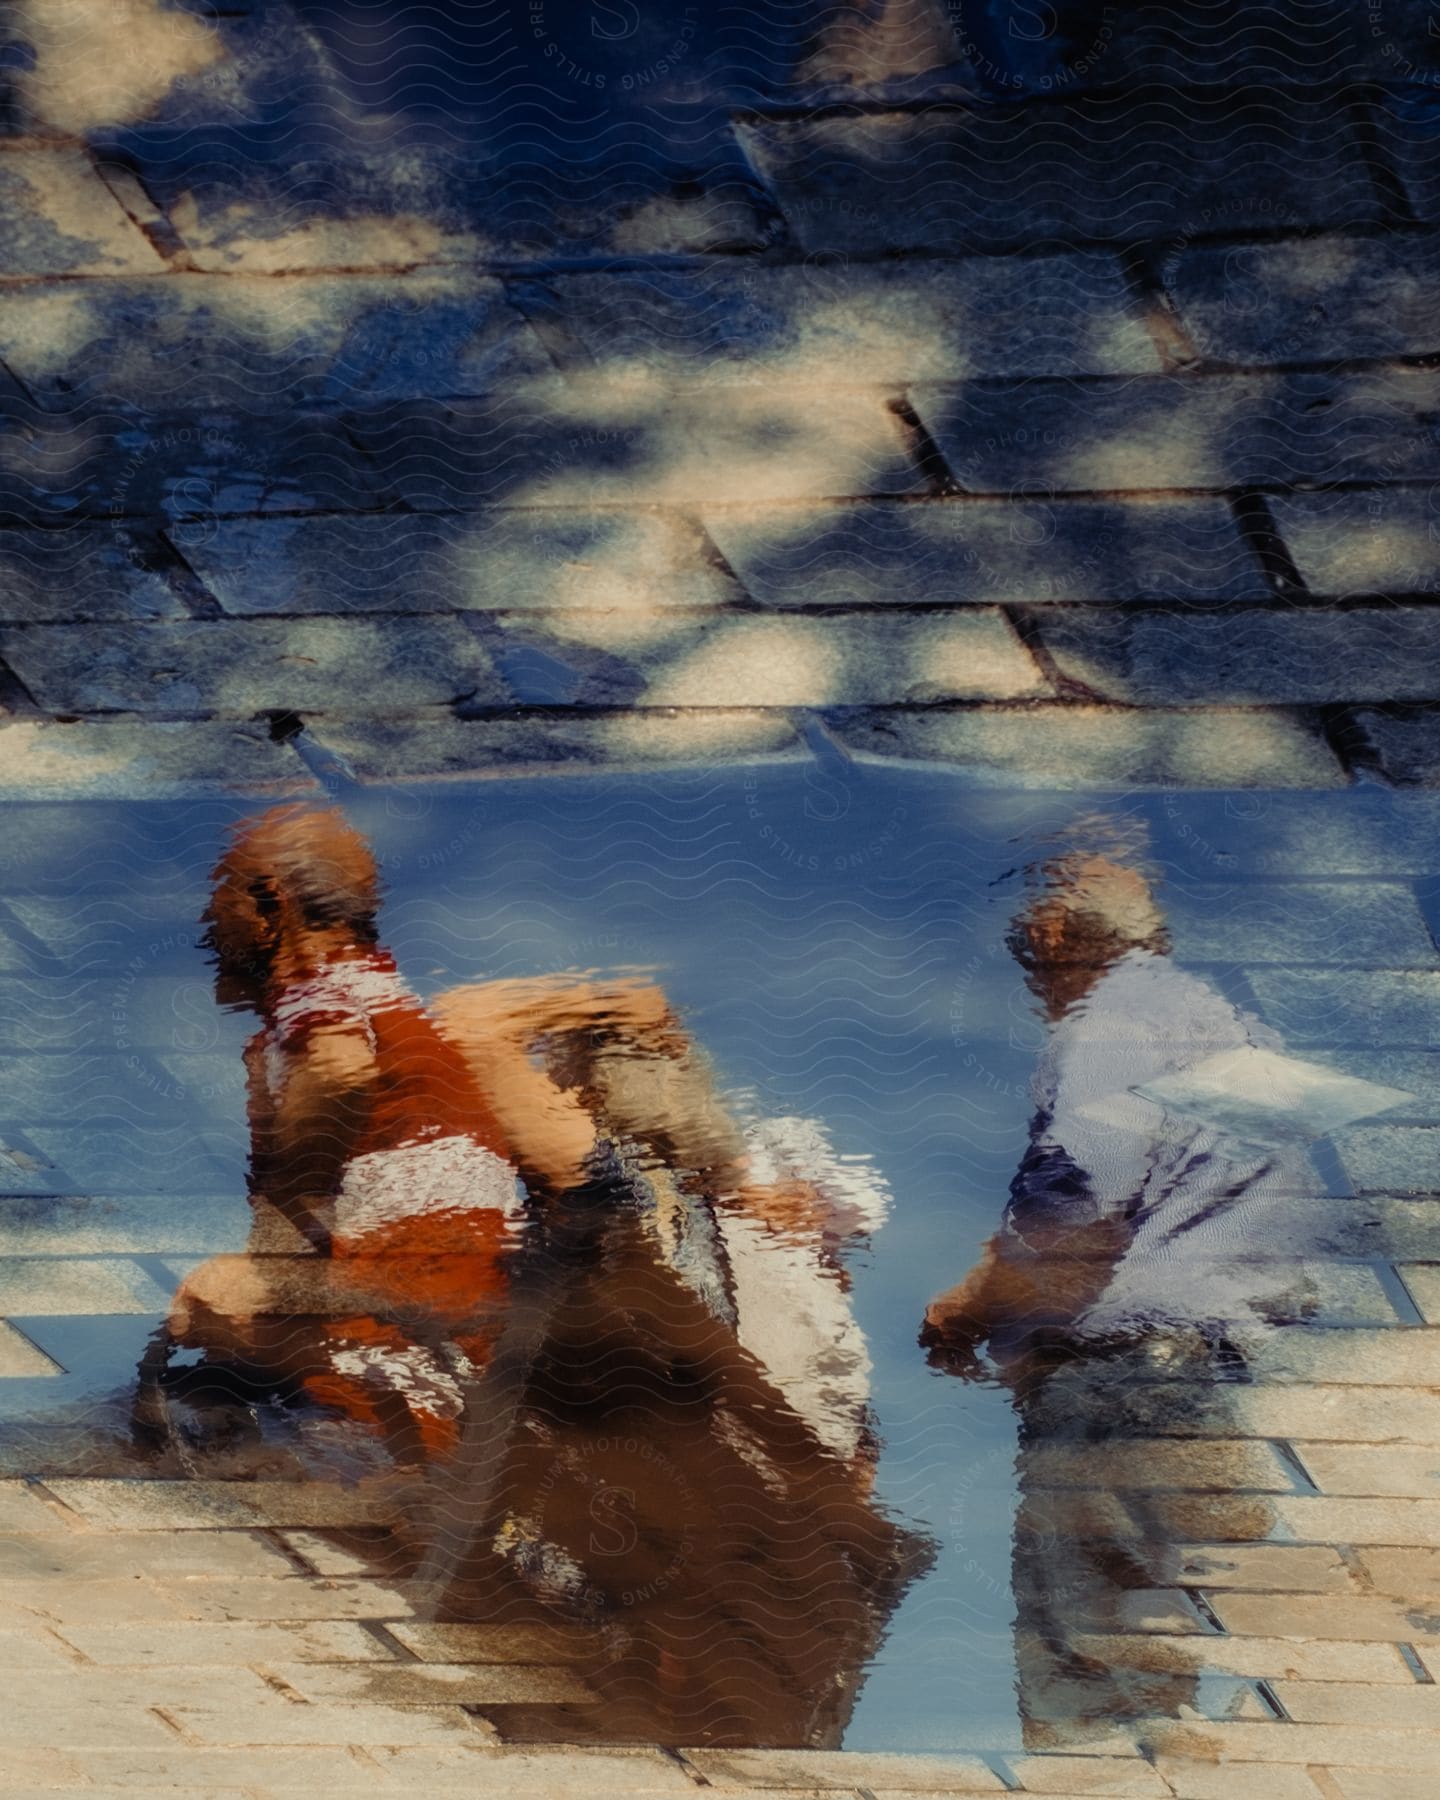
(1156, 1191)
(1159, 1221)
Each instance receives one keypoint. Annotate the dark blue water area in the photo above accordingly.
(833, 936)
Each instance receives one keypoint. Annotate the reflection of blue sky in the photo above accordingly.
(834, 936)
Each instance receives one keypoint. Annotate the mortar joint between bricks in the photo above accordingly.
(926, 453)
(398, 1651)
(684, 1764)
(1261, 536)
(1156, 310)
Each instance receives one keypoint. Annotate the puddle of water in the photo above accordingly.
(668, 1395)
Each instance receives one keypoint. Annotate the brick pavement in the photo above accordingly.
(1056, 405)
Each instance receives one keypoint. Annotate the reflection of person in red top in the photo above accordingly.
(387, 1139)
(637, 1390)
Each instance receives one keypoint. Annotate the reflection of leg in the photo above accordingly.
(411, 1393)
(1090, 1549)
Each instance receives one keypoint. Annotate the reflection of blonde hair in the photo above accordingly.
(1086, 910)
(294, 869)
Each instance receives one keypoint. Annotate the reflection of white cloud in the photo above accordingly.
(103, 62)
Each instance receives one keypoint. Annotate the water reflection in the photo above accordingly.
(1157, 1228)
(513, 1250)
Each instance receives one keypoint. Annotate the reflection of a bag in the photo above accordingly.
(627, 1462)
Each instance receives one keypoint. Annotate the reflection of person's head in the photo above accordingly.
(294, 885)
(1085, 912)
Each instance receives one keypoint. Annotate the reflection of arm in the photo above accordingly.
(611, 1052)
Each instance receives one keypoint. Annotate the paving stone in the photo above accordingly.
(1262, 1658)
(1144, 1609)
(829, 323)
(1342, 1414)
(1405, 742)
(189, 342)
(82, 1687)
(1321, 1744)
(1381, 1784)
(490, 560)
(1358, 1469)
(957, 552)
(1373, 1007)
(1096, 748)
(568, 1773)
(1021, 177)
(1423, 1281)
(1325, 1703)
(1393, 1159)
(23, 1509)
(61, 219)
(291, 1599)
(822, 1768)
(22, 1360)
(382, 750)
(86, 1600)
(582, 444)
(93, 572)
(82, 1560)
(1213, 431)
(1340, 1520)
(1305, 657)
(441, 1684)
(1085, 1775)
(120, 760)
(35, 1285)
(439, 172)
(596, 442)
(365, 665)
(1300, 922)
(1283, 1568)
(1406, 1359)
(282, 1722)
(1336, 1619)
(1158, 1463)
(1307, 299)
(1370, 541)
(87, 1727)
(1412, 1575)
(477, 1643)
(81, 67)
(30, 1650)
(202, 1505)
(200, 1645)
(744, 661)
(186, 1768)
(1235, 1781)
(87, 461)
